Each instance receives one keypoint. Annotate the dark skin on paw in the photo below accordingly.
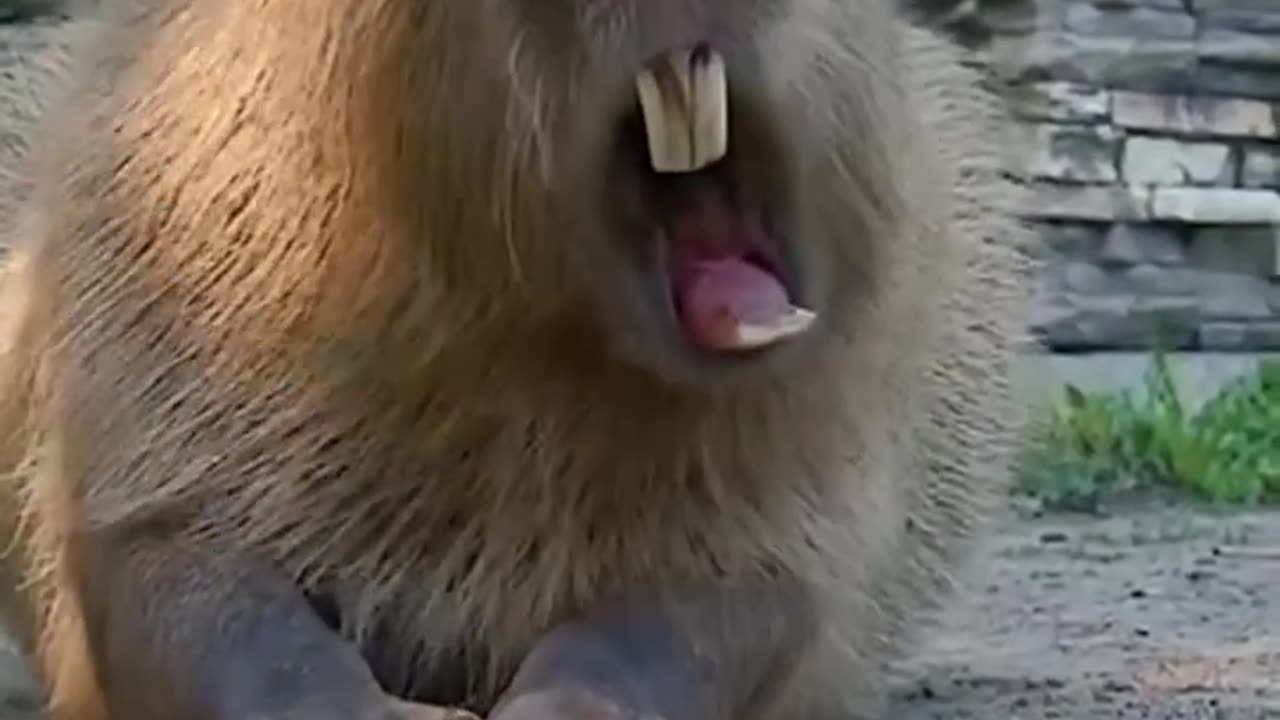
(253, 646)
(705, 654)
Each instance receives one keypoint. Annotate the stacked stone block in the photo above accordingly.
(1150, 136)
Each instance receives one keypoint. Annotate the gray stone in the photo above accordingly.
(1161, 4)
(1193, 115)
(1215, 205)
(1149, 280)
(1054, 322)
(1244, 21)
(1166, 161)
(1248, 250)
(1072, 240)
(1059, 101)
(1133, 21)
(1234, 46)
(1249, 6)
(1075, 153)
(1236, 336)
(1273, 296)
(1261, 167)
(1079, 279)
(1015, 16)
(1251, 82)
(1232, 296)
(1127, 244)
(1082, 323)
(1168, 322)
(1133, 63)
(1055, 201)
(1088, 279)
(1223, 335)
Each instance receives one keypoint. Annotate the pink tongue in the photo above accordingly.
(718, 294)
(715, 285)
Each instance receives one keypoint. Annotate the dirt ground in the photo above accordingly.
(1157, 612)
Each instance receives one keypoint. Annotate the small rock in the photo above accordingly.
(1053, 536)
(1116, 686)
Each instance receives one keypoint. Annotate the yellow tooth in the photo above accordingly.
(685, 103)
(748, 336)
(710, 110)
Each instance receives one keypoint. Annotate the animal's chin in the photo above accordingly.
(704, 229)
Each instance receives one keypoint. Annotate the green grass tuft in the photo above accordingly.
(1092, 446)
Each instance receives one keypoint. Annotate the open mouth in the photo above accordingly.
(725, 269)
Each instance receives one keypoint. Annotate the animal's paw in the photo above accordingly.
(563, 703)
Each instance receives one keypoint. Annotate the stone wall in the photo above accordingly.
(1149, 132)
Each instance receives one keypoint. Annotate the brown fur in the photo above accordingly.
(303, 278)
(39, 63)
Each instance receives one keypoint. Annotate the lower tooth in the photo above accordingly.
(793, 322)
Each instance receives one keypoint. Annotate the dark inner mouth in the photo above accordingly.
(723, 265)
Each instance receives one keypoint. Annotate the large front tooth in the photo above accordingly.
(685, 104)
(710, 108)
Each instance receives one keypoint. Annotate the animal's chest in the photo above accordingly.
(453, 625)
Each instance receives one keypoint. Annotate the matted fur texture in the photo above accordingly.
(295, 295)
